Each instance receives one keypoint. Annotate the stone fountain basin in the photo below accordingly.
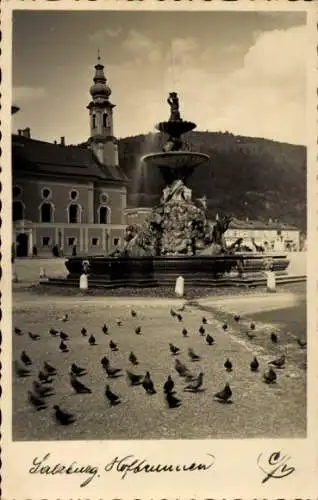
(197, 270)
(175, 160)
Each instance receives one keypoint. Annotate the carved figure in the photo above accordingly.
(173, 101)
(172, 144)
(177, 191)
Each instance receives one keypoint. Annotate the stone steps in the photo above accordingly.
(170, 281)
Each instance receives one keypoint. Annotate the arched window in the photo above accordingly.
(103, 215)
(94, 121)
(74, 213)
(17, 210)
(46, 210)
(105, 120)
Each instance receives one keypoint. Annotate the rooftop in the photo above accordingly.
(44, 158)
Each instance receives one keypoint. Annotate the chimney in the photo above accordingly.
(62, 141)
(55, 142)
(26, 133)
(19, 131)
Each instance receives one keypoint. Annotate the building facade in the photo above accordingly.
(70, 199)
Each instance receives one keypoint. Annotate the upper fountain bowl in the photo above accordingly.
(175, 128)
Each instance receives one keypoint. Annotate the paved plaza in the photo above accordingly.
(257, 409)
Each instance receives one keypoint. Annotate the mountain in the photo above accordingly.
(245, 176)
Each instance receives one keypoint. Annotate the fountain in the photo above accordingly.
(172, 240)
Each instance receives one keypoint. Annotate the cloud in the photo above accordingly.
(142, 48)
(265, 96)
(25, 94)
(100, 35)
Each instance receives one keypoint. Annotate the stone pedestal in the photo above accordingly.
(179, 288)
(271, 281)
(83, 283)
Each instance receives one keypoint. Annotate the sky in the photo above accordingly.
(242, 72)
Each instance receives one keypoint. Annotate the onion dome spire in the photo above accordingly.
(100, 87)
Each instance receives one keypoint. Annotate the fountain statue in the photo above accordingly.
(178, 226)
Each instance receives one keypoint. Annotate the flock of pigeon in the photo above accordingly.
(42, 387)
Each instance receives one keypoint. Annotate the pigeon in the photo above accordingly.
(113, 346)
(184, 332)
(92, 340)
(84, 332)
(228, 365)
(237, 318)
(36, 401)
(172, 401)
(104, 361)
(62, 417)
(274, 338)
(34, 336)
(209, 339)
(138, 330)
(112, 398)
(118, 322)
(148, 385)
(302, 343)
(41, 390)
(20, 370)
(252, 326)
(65, 318)
(196, 384)
(179, 316)
(64, 336)
(112, 372)
(133, 313)
(134, 378)
(133, 359)
(45, 377)
(49, 368)
(250, 335)
(53, 332)
(254, 364)
(181, 368)
(270, 376)
(174, 349)
(105, 329)
(168, 385)
(77, 370)
(192, 355)
(201, 330)
(78, 386)
(204, 321)
(25, 358)
(279, 362)
(63, 347)
(225, 394)
(173, 313)
(224, 326)
(17, 331)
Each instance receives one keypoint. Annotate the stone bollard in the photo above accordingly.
(179, 288)
(42, 273)
(271, 281)
(83, 282)
(14, 276)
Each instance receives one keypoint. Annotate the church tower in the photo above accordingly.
(102, 140)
